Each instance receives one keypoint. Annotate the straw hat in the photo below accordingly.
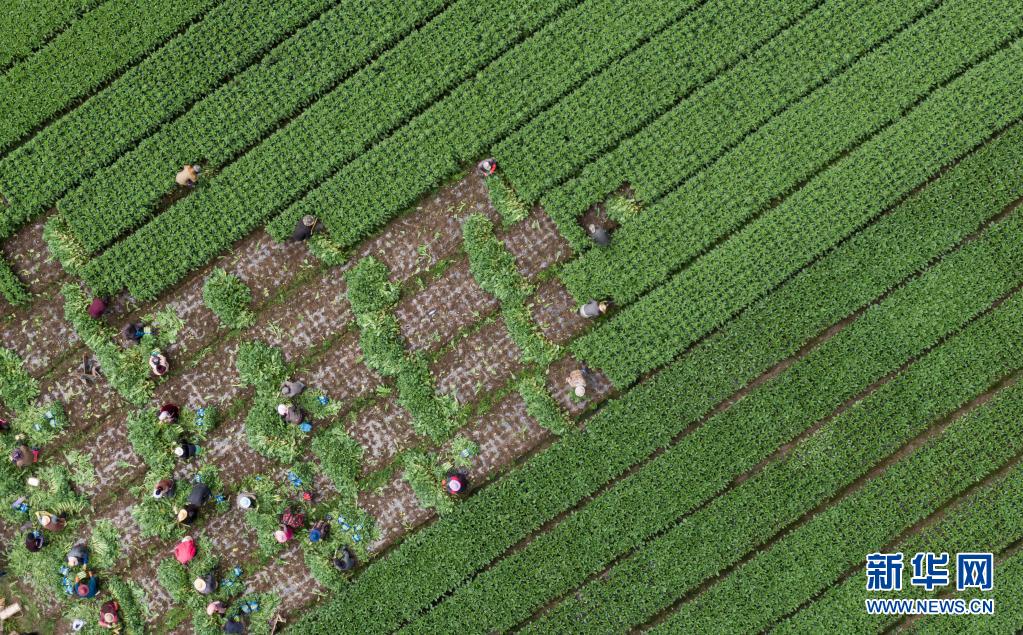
(199, 585)
(308, 220)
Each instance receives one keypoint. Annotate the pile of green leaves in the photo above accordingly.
(373, 298)
(493, 266)
(11, 287)
(126, 369)
(228, 297)
(541, 406)
(154, 441)
(17, 388)
(157, 517)
(340, 457)
(505, 201)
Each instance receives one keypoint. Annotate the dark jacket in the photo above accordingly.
(199, 495)
(302, 231)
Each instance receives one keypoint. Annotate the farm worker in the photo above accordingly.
(188, 175)
(164, 487)
(168, 413)
(344, 560)
(78, 555)
(284, 534)
(158, 363)
(487, 167)
(290, 414)
(205, 584)
(319, 531)
(51, 522)
(245, 500)
(86, 585)
(97, 307)
(292, 389)
(188, 514)
(577, 382)
(133, 332)
(186, 450)
(90, 368)
(593, 309)
(216, 608)
(199, 495)
(304, 228)
(23, 456)
(599, 235)
(293, 520)
(455, 483)
(109, 614)
(234, 627)
(34, 541)
(185, 550)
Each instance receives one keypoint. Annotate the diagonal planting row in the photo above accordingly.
(439, 557)
(705, 462)
(651, 79)
(420, 69)
(239, 114)
(781, 578)
(988, 522)
(28, 26)
(766, 251)
(160, 87)
(100, 45)
(794, 146)
(715, 118)
(835, 456)
(389, 178)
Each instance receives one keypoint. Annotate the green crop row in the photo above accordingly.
(27, 27)
(791, 148)
(732, 525)
(104, 42)
(163, 85)
(707, 460)
(583, 125)
(402, 81)
(734, 105)
(493, 267)
(18, 389)
(778, 580)
(124, 194)
(765, 252)
(1008, 617)
(988, 521)
(11, 287)
(373, 299)
(439, 557)
(388, 179)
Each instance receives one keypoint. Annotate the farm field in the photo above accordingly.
(605, 316)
